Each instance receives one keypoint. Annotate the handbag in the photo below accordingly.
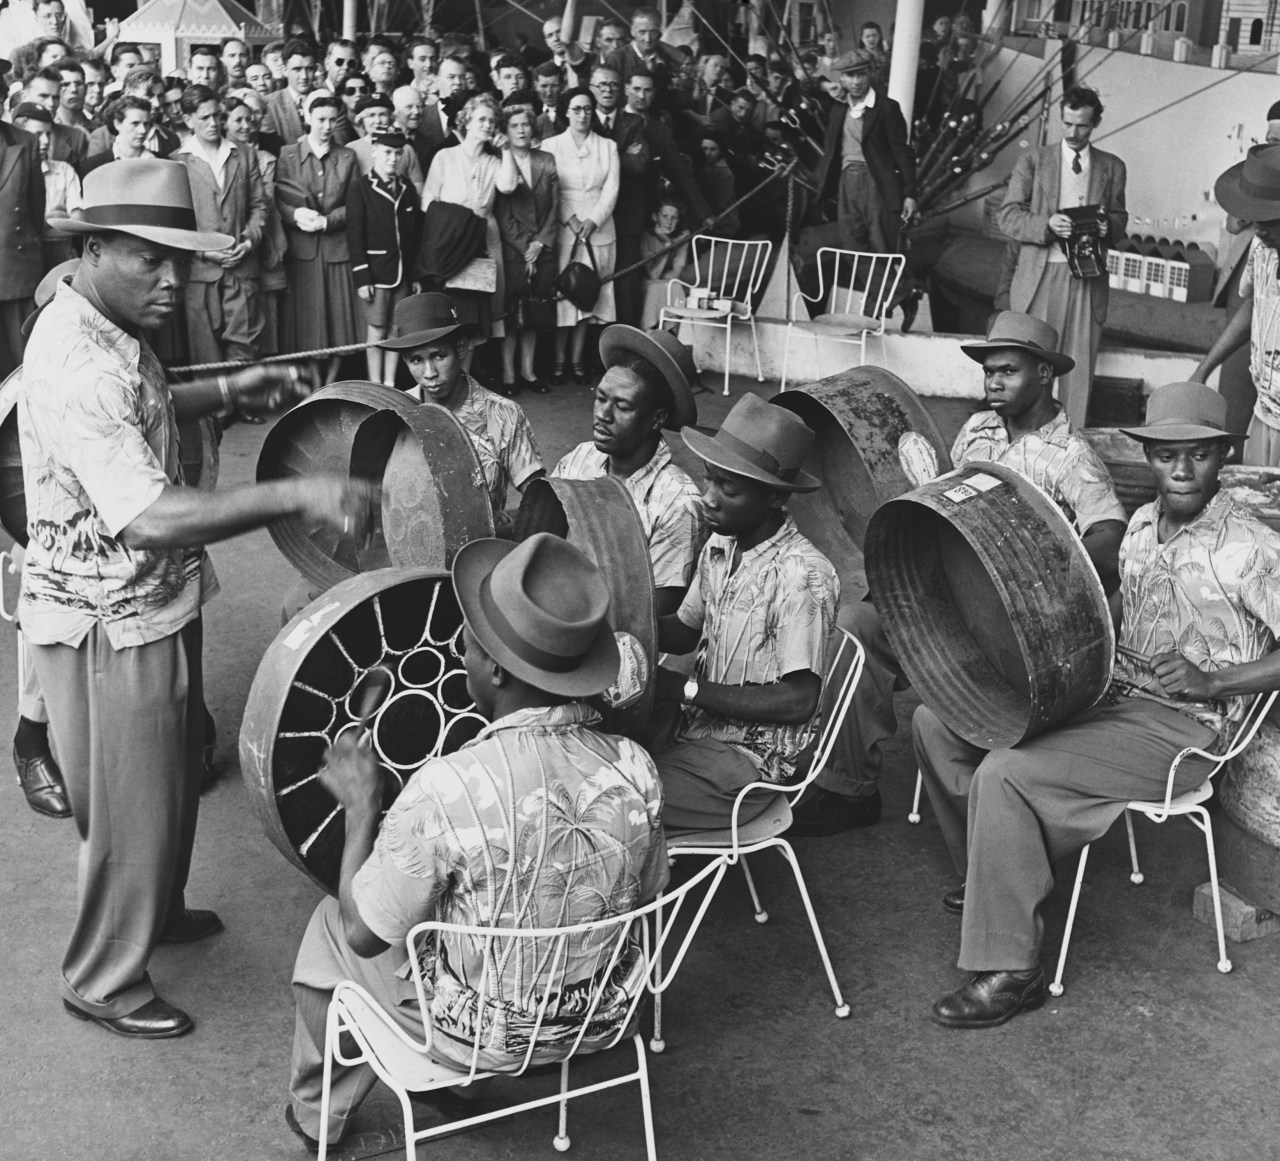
(578, 282)
(480, 274)
(534, 308)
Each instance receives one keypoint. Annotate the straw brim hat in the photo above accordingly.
(706, 448)
(1060, 363)
(1183, 412)
(665, 352)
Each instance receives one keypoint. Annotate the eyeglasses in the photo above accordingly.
(342, 60)
(358, 91)
(604, 84)
(579, 108)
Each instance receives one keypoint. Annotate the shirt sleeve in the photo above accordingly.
(1246, 274)
(1260, 590)
(520, 452)
(807, 603)
(674, 543)
(101, 440)
(693, 609)
(1087, 486)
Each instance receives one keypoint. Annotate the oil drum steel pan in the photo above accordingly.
(306, 693)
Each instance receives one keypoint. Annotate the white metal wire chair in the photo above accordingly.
(727, 276)
(1190, 805)
(855, 291)
(633, 941)
(738, 840)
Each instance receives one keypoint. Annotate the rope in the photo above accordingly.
(352, 348)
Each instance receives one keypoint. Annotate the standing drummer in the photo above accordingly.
(114, 580)
(1200, 611)
(433, 343)
(646, 389)
(1024, 429)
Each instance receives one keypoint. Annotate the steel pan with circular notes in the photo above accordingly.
(405, 621)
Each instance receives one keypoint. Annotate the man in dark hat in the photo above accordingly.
(22, 209)
(1027, 430)
(1251, 191)
(761, 614)
(1200, 610)
(115, 576)
(646, 389)
(583, 806)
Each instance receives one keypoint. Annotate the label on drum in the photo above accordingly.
(981, 482)
(633, 674)
(960, 493)
(918, 459)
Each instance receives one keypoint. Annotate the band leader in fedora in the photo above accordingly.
(1200, 610)
(116, 575)
(1251, 191)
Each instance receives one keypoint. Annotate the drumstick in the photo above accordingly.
(371, 692)
(1143, 659)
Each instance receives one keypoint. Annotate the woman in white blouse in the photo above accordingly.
(587, 165)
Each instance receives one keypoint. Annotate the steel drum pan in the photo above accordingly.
(307, 692)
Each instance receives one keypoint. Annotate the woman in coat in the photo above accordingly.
(528, 221)
(312, 181)
(587, 164)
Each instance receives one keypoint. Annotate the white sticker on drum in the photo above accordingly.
(960, 493)
(981, 482)
(918, 459)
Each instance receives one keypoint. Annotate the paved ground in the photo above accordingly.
(1151, 1054)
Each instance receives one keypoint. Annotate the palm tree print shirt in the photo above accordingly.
(1210, 592)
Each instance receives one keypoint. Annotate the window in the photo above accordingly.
(1180, 16)
(1255, 32)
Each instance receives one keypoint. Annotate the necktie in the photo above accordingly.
(1075, 163)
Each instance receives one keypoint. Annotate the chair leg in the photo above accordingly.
(330, 1039)
(657, 1044)
(1136, 877)
(755, 343)
(786, 359)
(914, 816)
(1055, 988)
(1201, 819)
(646, 1100)
(561, 1140)
(728, 342)
(762, 916)
(842, 1009)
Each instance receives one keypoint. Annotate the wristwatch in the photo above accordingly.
(690, 690)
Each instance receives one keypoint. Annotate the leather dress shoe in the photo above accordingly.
(312, 1144)
(190, 926)
(41, 782)
(155, 1020)
(992, 998)
(953, 901)
(822, 812)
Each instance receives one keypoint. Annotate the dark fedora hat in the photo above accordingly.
(145, 197)
(540, 609)
(668, 354)
(29, 111)
(1010, 328)
(1251, 188)
(759, 441)
(1183, 411)
(421, 319)
(47, 288)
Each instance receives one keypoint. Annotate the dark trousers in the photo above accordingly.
(628, 289)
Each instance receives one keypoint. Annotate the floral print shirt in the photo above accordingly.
(669, 504)
(774, 615)
(1261, 278)
(1055, 458)
(1210, 592)
(99, 445)
(541, 821)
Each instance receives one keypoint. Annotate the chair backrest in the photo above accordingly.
(835, 704)
(857, 282)
(542, 1015)
(729, 268)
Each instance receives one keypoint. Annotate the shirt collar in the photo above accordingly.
(1056, 428)
(867, 102)
(103, 332)
(308, 147)
(1085, 153)
(1209, 522)
(195, 149)
(554, 717)
(724, 544)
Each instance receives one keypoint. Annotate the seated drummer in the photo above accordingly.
(542, 779)
(434, 344)
(1025, 429)
(761, 613)
(1199, 612)
(646, 388)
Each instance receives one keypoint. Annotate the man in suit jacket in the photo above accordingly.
(224, 319)
(1045, 182)
(284, 107)
(665, 156)
(66, 142)
(22, 210)
(646, 53)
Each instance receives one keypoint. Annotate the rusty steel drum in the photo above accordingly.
(434, 497)
(1248, 827)
(991, 604)
(13, 495)
(875, 440)
(405, 621)
(599, 517)
(316, 438)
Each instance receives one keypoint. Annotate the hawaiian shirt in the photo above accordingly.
(502, 437)
(774, 615)
(670, 509)
(99, 445)
(1261, 278)
(541, 821)
(1054, 457)
(1210, 592)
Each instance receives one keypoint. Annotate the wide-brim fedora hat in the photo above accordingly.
(47, 288)
(540, 609)
(146, 197)
(760, 441)
(421, 319)
(668, 354)
(1250, 189)
(1011, 328)
(1184, 411)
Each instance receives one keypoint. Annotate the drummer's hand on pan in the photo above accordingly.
(1179, 677)
(350, 773)
(270, 386)
(346, 505)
